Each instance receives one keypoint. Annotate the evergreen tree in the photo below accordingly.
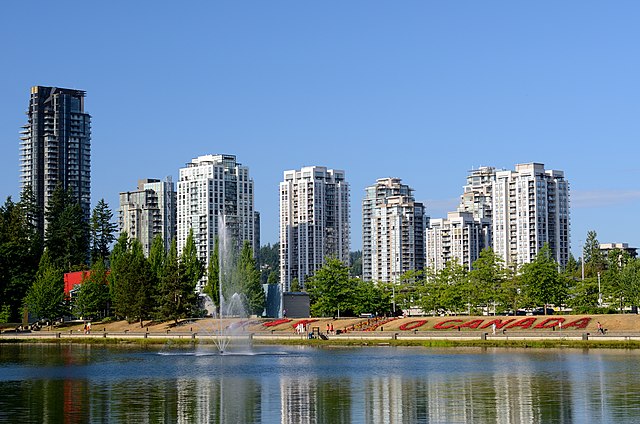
(45, 298)
(157, 255)
(176, 297)
(295, 286)
(93, 298)
(20, 251)
(102, 231)
(250, 277)
(212, 287)
(118, 256)
(67, 233)
(133, 289)
(268, 259)
(192, 267)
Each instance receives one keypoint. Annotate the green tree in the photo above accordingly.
(212, 288)
(594, 260)
(131, 280)
(268, 259)
(250, 278)
(295, 286)
(176, 297)
(541, 280)
(102, 231)
(67, 233)
(583, 296)
(355, 258)
(454, 284)
(192, 267)
(20, 251)
(615, 263)
(273, 277)
(330, 289)
(157, 255)
(630, 281)
(371, 298)
(487, 279)
(45, 298)
(93, 298)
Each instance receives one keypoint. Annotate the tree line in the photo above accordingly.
(597, 283)
(122, 282)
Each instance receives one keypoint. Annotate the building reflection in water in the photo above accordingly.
(500, 387)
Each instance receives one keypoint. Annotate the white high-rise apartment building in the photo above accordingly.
(476, 197)
(149, 211)
(210, 187)
(460, 237)
(463, 234)
(393, 226)
(530, 208)
(314, 221)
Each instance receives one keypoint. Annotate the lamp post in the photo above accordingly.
(599, 292)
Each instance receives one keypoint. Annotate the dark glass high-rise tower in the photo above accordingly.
(55, 147)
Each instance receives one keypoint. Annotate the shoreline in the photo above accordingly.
(575, 341)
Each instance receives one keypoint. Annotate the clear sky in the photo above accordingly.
(420, 90)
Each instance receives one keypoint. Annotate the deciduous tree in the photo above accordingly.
(45, 298)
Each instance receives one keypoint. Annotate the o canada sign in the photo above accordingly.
(515, 323)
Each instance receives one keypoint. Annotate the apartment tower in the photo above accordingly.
(314, 221)
(530, 208)
(460, 237)
(148, 212)
(393, 226)
(55, 148)
(215, 190)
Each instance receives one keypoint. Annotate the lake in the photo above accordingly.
(77, 383)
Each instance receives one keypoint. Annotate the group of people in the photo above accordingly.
(87, 328)
(330, 329)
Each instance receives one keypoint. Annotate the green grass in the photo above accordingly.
(556, 343)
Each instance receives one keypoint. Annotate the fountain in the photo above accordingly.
(232, 301)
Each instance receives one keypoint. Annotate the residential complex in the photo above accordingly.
(530, 208)
(148, 212)
(314, 221)
(607, 248)
(460, 237)
(393, 226)
(212, 190)
(55, 148)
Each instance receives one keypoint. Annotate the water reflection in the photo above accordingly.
(77, 384)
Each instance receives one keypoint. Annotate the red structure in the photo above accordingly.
(74, 279)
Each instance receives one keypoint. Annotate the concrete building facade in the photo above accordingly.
(148, 212)
(460, 237)
(314, 222)
(212, 187)
(55, 148)
(530, 208)
(393, 230)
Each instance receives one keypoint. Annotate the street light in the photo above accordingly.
(599, 292)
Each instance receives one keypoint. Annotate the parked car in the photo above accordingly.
(540, 311)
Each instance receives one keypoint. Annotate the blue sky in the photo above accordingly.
(420, 90)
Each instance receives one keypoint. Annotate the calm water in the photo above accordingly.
(88, 383)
